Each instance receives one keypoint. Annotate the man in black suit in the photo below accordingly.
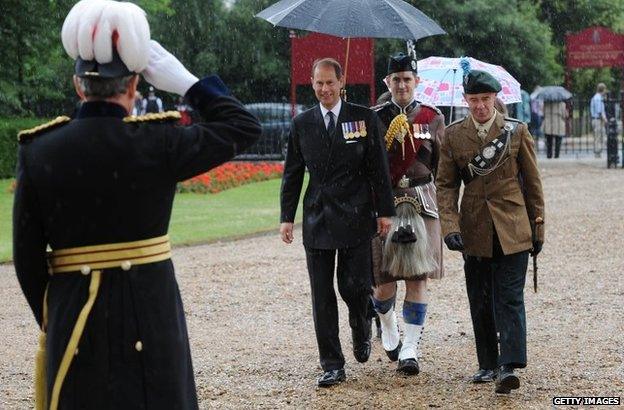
(348, 199)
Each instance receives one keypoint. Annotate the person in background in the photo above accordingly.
(554, 126)
(185, 112)
(523, 108)
(537, 114)
(598, 117)
(152, 103)
(138, 104)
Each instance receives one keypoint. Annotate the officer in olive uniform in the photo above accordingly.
(499, 222)
(98, 190)
(347, 200)
(413, 252)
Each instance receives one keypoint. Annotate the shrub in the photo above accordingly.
(9, 127)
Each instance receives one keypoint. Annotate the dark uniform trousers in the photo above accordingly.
(354, 284)
(496, 294)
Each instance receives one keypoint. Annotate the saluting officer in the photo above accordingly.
(348, 199)
(413, 250)
(498, 223)
(98, 190)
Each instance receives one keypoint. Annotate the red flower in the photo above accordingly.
(232, 174)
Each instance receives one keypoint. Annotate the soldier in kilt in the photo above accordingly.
(412, 251)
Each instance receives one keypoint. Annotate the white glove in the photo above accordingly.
(166, 73)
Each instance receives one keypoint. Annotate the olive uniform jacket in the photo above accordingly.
(349, 182)
(104, 178)
(507, 200)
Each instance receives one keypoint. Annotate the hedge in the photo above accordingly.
(9, 127)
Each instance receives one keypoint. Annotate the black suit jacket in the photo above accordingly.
(349, 181)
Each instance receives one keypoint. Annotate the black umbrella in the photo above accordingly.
(353, 18)
(552, 93)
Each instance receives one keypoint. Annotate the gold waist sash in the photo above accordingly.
(88, 260)
(115, 255)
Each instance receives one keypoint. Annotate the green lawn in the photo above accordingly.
(6, 212)
(196, 217)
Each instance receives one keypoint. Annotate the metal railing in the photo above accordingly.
(275, 118)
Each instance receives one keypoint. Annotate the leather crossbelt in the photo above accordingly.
(483, 162)
(122, 255)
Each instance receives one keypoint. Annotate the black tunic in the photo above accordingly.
(97, 180)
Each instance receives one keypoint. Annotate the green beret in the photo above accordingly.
(477, 82)
(401, 62)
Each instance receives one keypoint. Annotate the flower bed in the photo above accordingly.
(230, 175)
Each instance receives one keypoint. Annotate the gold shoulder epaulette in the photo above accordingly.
(29, 133)
(152, 117)
(433, 107)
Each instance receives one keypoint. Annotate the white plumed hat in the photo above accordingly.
(107, 38)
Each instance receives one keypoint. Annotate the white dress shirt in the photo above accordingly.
(335, 110)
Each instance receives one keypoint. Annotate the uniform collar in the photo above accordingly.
(89, 109)
(409, 107)
(486, 125)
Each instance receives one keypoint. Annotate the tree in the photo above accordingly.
(496, 31)
(572, 16)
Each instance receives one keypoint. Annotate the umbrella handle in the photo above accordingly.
(452, 96)
(343, 92)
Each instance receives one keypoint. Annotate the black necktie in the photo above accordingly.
(331, 126)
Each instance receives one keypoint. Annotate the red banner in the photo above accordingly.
(359, 70)
(594, 47)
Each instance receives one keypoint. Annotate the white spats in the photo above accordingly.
(411, 342)
(93, 28)
(390, 336)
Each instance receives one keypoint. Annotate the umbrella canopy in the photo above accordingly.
(552, 93)
(441, 81)
(353, 18)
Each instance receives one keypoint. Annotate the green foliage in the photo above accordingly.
(8, 142)
(564, 16)
(573, 16)
(496, 32)
(253, 57)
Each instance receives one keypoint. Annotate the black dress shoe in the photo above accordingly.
(506, 380)
(362, 351)
(408, 366)
(484, 376)
(332, 377)
(393, 355)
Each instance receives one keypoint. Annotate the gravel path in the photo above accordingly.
(253, 341)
